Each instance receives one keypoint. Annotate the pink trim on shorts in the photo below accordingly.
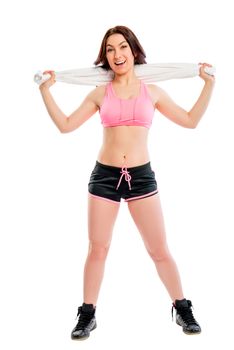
(105, 199)
(144, 195)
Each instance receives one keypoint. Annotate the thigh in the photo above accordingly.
(102, 215)
(148, 217)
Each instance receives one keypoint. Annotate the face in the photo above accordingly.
(119, 54)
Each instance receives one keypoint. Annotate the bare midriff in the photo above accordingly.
(124, 146)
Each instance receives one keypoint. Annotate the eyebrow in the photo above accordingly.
(119, 43)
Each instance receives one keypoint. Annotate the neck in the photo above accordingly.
(127, 78)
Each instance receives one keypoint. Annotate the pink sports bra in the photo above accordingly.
(116, 111)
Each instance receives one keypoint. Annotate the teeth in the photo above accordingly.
(119, 62)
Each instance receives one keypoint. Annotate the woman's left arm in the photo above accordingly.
(200, 106)
(187, 119)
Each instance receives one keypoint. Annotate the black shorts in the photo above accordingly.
(113, 183)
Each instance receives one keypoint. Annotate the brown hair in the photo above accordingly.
(132, 40)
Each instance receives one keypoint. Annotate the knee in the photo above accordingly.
(97, 251)
(159, 254)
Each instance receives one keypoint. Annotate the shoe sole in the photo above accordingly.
(195, 333)
(79, 339)
(82, 338)
(188, 333)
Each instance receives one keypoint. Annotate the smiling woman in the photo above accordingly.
(119, 53)
(129, 41)
(123, 169)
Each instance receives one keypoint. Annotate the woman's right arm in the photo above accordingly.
(77, 118)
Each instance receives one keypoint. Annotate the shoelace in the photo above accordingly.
(186, 314)
(84, 318)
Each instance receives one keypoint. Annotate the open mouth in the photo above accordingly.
(120, 63)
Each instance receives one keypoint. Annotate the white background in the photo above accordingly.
(44, 179)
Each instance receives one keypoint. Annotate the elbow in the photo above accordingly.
(191, 123)
(68, 126)
(64, 127)
(63, 130)
(193, 126)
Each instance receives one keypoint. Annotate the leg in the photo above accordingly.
(101, 218)
(148, 217)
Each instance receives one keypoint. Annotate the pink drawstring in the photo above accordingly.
(128, 177)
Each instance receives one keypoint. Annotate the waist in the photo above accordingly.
(119, 159)
(124, 144)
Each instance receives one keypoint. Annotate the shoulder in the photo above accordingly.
(97, 94)
(154, 92)
(154, 89)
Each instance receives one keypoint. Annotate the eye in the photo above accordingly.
(123, 47)
(109, 50)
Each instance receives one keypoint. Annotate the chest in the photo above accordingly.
(126, 93)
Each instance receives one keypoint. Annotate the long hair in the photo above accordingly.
(132, 40)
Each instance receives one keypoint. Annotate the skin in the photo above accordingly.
(122, 140)
(127, 145)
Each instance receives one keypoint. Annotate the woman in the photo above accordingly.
(123, 169)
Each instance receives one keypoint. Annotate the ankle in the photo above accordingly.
(88, 302)
(179, 300)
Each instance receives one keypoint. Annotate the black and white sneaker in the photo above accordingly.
(184, 317)
(86, 322)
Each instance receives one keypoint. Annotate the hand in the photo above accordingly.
(205, 76)
(51, 81)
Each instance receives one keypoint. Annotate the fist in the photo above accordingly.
(49, 82)
(205, 76)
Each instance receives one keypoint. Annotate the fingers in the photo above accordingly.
(205, 64)
(51, 72)
(48, 71)
(48, 82)
(52, 75)
(203, 74)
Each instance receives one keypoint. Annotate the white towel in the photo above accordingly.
(149, 73)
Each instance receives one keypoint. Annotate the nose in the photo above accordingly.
(117, 54)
